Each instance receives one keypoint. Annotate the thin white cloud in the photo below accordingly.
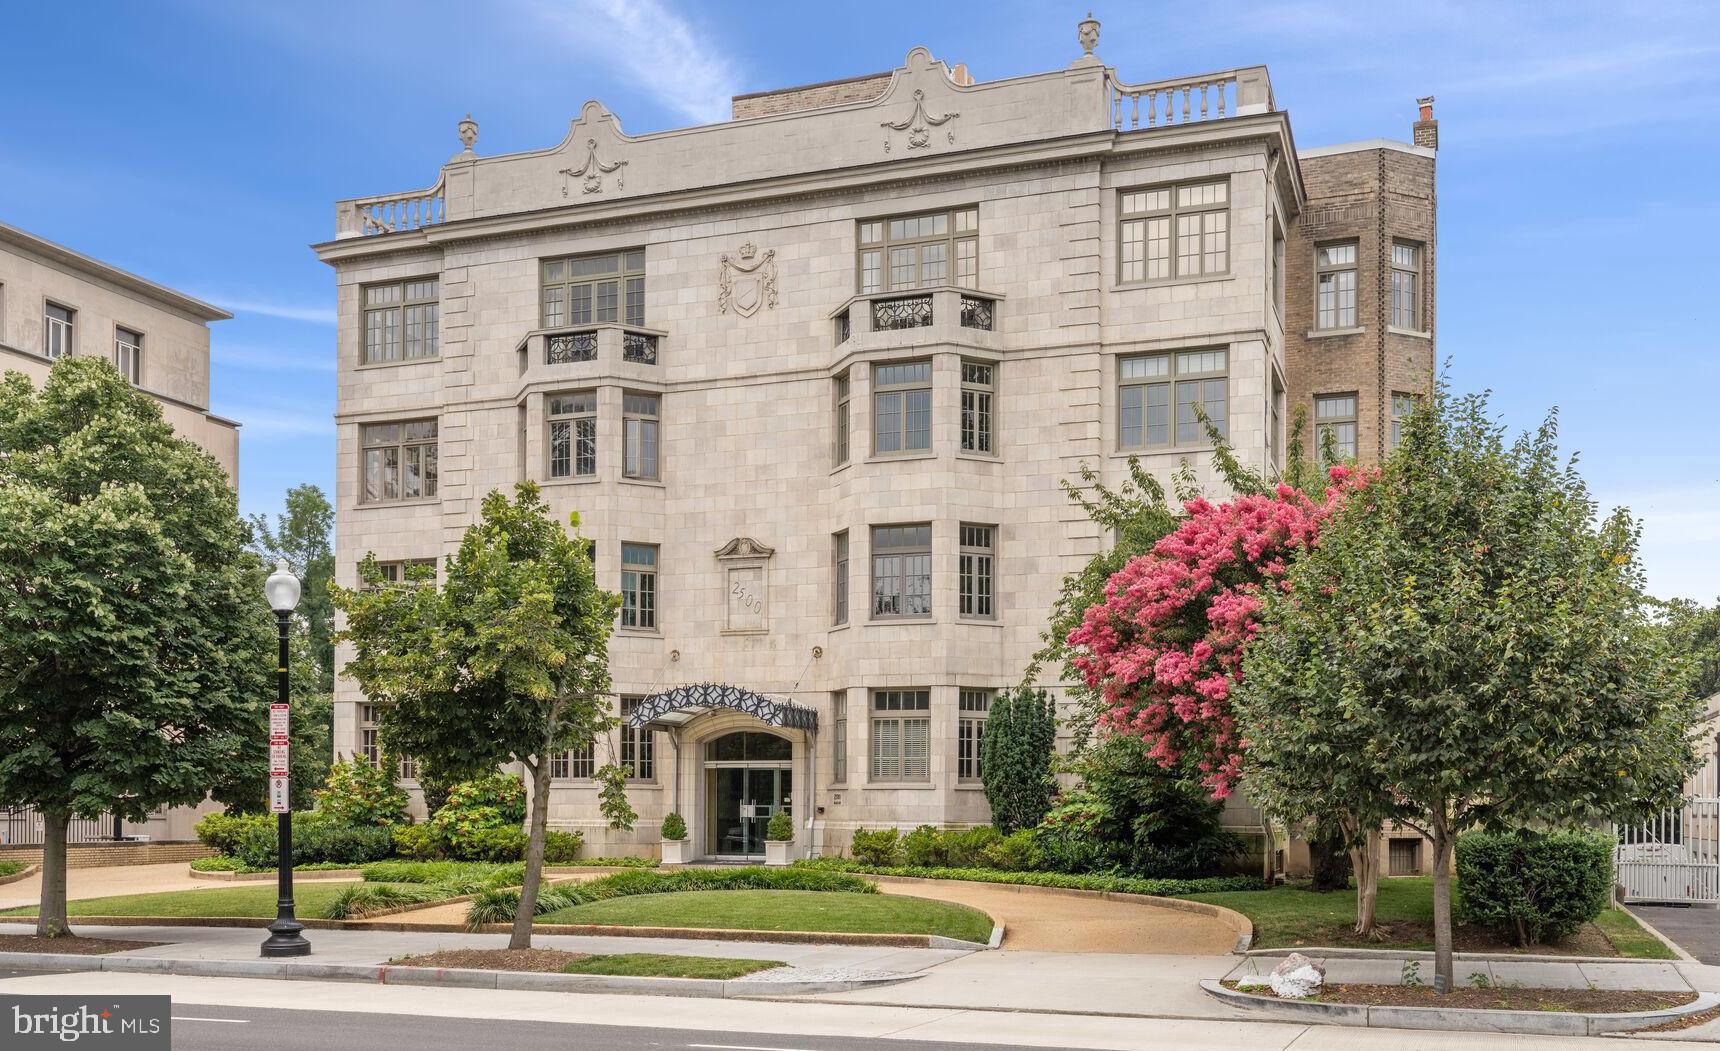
(651, 45)
(257, 359)
(286, 311)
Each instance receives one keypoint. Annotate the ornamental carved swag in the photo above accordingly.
(748, 281)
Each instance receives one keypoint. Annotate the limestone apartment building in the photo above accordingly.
(55, 303)
(811, 377)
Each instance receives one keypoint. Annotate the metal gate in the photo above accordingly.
(22, 826)
(1674, 856)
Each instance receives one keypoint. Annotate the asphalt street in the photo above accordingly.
(210, 1028)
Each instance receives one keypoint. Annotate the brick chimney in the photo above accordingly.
(1426, 130)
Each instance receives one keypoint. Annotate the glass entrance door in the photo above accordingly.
(741, 800)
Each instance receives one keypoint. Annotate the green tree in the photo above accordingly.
(135, 645)
(302, 536)
(1467, 646)
(1696, 634)
(506, 662)
(1016, 755)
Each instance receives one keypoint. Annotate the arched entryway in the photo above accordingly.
(738, 758)
(748, 777)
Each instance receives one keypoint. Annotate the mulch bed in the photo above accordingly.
(1588, 940)
(73, 945)
(1509, 998)
(546, 960)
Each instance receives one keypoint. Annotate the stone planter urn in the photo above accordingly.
(778, 851)
(674, 852)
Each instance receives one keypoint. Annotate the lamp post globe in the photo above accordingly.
(286, 934)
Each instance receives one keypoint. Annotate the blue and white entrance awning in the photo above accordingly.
(683, 704)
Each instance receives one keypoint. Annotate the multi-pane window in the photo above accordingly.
(399, 571)
(639, 586)
(1174, 231)
(1275, 421)
(1335, 426)
(407, 768)
(575, 762)
(128, 354)
(638, 744)
(977, 552)
(368, 746)
(902, 571)
(594, 289)
(917, 251)
(1406, 285)
(1149, 385)
(639, 431)
(901, 735)
(57, 330)
(839, 739)
(974, 706)
(1335, 285)
(400, 321)
(839, 581)
(842, 419)
(1402, 406)
(977, 395)
(902, 407)
(572, 434)
(399, 460)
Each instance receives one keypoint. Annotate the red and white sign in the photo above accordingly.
(278, 796)
(277, 723)
(278, 760)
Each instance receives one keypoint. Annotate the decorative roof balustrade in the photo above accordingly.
(1190, 100)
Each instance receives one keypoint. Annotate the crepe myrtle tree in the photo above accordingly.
(135, 646)
(506, 662)
(1468, 646)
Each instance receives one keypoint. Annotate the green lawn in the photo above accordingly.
(10, 868)
(1291, 916)
(257, 900)
(658, 965)
(784, 910)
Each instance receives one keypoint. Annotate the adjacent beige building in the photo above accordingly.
(55, 302)
(812, 377)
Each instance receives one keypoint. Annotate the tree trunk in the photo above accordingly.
(522, 935)
(51, 915)
(1365, 859)
(1442, 968)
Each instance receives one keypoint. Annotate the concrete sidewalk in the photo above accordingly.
(378, 947)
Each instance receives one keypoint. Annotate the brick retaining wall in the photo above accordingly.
(96, 855)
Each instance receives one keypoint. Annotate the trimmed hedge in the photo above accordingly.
(1533, 888)
(10, 868)
(1163, 888)
(498, 906)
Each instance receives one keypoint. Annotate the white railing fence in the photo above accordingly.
(1674, 856)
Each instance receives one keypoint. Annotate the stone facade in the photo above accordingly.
(170, 354)
(755, 317)
(104, 301)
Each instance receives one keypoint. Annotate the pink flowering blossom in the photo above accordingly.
(1166, 645)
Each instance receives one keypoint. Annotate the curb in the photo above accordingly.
(1424, 954)
(385, 974)
(717, 934)
(1547, 1023)
(29, 870)
(1242, 925)
(1677, 949)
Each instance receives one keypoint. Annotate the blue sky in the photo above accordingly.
(203, 145)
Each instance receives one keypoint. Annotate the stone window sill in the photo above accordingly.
(650, 483)
(899, 457)
(1170, 282)
(980, 457)
(981, 622)
(888, 622)
(639, 633)
(923, 785)
(1329, 333)
(377, 505)
(581, 479)
(1394, 330)
(1163, 450)
(366, 366)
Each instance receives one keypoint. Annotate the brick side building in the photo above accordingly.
(812, 376)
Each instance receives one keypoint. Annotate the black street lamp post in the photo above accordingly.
(286, 934)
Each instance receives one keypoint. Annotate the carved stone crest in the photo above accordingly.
(590, 175)
(748, 281)
(919, 125)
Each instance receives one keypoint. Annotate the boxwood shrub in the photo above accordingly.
(498, 906)
(1164, 888)
(1533, 888)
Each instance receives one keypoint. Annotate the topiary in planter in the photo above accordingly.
(674, 827)
(780, 829)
